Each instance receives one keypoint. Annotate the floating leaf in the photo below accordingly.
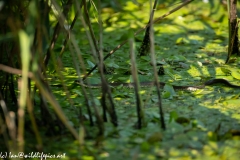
(232, 102)
(155, 137)
(180, 41)
(170, 73)
(166, 94)
(90, 64)
(236, 74)
(226, 71)
(173, 116)
(184, 65)
(199, 63)
(146, 58)
(178, 58)
(169, 88)
(182, 120)
(212, 136)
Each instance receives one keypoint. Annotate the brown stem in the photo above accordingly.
(13, 70)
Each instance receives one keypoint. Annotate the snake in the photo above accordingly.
(162, 84)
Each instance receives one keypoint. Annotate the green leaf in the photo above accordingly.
(166, 94)
(170, 73)
(169, 88)
(90, 64)
(173, 116)
(235, 74)
(212, 136)
(180, 41)
(226, 71)
(232, 102)
(178, 58)
(146, 58)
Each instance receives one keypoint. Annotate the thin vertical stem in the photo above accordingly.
(153, 58)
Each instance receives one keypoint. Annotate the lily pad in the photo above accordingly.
(235, 74)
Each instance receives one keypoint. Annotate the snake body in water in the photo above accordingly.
(162, 84)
